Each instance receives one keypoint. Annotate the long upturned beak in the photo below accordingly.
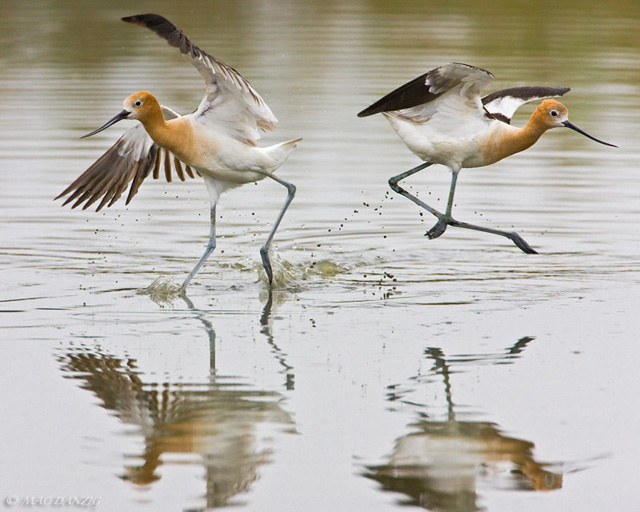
(575, 128)
(118, 117)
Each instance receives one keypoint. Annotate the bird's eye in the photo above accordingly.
(138, 103)
(554, 113)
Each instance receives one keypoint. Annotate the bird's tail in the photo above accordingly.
(280, 152)
(289, 146)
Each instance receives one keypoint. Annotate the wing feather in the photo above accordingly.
(230, 102)
(430, 86)
(156, 167)
(178, 167)
(503, 104)
(144, 172)
(131, 159)
(167, 165)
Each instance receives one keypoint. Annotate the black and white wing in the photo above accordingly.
(130, 160)
(230, 103)
(501, 105)
(430, 86)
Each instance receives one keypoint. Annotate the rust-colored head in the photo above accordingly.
(553, 114)
(142, 106)
(550, 114)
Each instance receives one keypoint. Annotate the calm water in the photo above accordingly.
(388, 372)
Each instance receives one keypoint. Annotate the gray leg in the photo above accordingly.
(264, 250)
(445, 219)
(511, 235)
(393, 183)
(448, 220)
(441, 225)
(211, 245)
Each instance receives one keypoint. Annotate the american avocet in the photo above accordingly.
(441, 117)
(218, 140)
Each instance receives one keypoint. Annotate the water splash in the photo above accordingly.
(163, 291)
(288, 275)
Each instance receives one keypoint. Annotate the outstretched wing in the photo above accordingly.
(501, 105)
(130, 160)
(430, 86)
(230, 103)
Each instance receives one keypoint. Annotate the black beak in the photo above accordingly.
(118, 117)
(575, 128)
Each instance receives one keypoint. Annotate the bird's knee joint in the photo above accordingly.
(393, 183)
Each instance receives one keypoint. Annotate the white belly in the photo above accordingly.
(455, 146)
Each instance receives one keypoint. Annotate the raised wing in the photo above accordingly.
(431, 86)
(501, 105)
(230, 103)
(131, 159)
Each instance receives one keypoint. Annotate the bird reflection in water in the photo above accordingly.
(219, 420)
(266, 322)
(441, 464)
